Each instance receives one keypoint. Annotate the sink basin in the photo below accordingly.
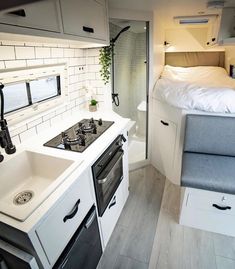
(27, 180)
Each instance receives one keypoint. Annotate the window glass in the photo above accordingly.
(43, 89)
(15, 97)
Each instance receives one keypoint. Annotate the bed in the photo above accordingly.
(204, 88)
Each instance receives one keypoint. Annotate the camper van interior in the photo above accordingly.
(117, 134)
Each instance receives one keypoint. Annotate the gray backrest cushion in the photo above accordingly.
(210, 134)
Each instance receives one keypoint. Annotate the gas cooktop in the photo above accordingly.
(80, 136)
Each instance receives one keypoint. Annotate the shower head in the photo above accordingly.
(113, 40)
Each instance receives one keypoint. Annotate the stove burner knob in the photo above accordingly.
(64, 135)
(82, 140)
(94, 129)
(80, 124)
(91, 120)
(100, 122)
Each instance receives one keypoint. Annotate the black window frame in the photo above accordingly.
(28, 90)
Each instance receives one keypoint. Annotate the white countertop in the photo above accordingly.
(81, 160)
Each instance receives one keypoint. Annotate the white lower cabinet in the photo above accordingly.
(111, 214)
(58, 227)
(163, 149)
(208, 210)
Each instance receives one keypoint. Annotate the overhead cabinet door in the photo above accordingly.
(86, 18)
(42, 15)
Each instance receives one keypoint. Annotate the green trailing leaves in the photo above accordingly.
(105, 61)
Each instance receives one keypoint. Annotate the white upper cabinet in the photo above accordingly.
(80, 20)
(85, 18)
(41, 15)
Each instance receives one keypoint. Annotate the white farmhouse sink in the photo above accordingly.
(27, 180)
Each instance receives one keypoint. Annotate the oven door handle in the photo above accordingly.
(104, 178)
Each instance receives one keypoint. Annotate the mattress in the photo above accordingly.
(204, 88)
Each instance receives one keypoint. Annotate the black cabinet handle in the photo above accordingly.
(88, 29)
(222, 207)
(164, 123)
(113, 202)
(73, 211)
(18, 12)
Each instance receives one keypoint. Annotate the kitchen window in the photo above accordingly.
(24, 94)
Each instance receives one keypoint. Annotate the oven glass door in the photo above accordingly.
(109, 180)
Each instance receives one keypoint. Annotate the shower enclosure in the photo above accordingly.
(130, 83)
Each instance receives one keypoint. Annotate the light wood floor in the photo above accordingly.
(179, 247)
(131, 243)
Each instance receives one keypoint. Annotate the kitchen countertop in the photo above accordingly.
(81, 160)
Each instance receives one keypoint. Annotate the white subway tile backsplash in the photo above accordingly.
(93, 52)
(2, 65)
(34, 62)
(25, 52)
(15, 64)
(28, 134)
(90, 60)
(34, 123)
(17, 130)
(50, 61)
(15, 140)
(7, 53)
(94, 68)
(21, 54)
(43, 52)
(44, 126)
(57, 53)
(79, 53)
(57, 119)
(69, 53)
(48, 116)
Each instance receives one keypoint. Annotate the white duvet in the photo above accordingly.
(201, 88)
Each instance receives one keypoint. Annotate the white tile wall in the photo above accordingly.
(25, 52)
(83, 71)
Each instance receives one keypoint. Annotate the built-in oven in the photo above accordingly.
(108, 173)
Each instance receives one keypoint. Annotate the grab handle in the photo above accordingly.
(222, 207)
(88, 29)
(164, 123)
(18, 12)
(73, 212)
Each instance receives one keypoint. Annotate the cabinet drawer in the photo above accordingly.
(213, 202)
(197, 211)
(56, 230)
(41, 15)
(111, 214)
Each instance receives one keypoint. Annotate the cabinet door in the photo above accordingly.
(86, 18)
(41, 15)
(111, 214)
(163, 145)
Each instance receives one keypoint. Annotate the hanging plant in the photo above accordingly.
(105, 60)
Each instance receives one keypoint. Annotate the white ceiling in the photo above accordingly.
(178, 7)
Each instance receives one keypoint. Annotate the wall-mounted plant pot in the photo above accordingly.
(92, 108)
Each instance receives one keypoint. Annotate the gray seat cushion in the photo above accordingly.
(208, 172)
(210, 134)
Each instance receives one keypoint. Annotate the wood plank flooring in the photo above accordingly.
(131, 243)
(179, 247)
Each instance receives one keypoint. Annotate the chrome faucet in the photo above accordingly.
(5, 138)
